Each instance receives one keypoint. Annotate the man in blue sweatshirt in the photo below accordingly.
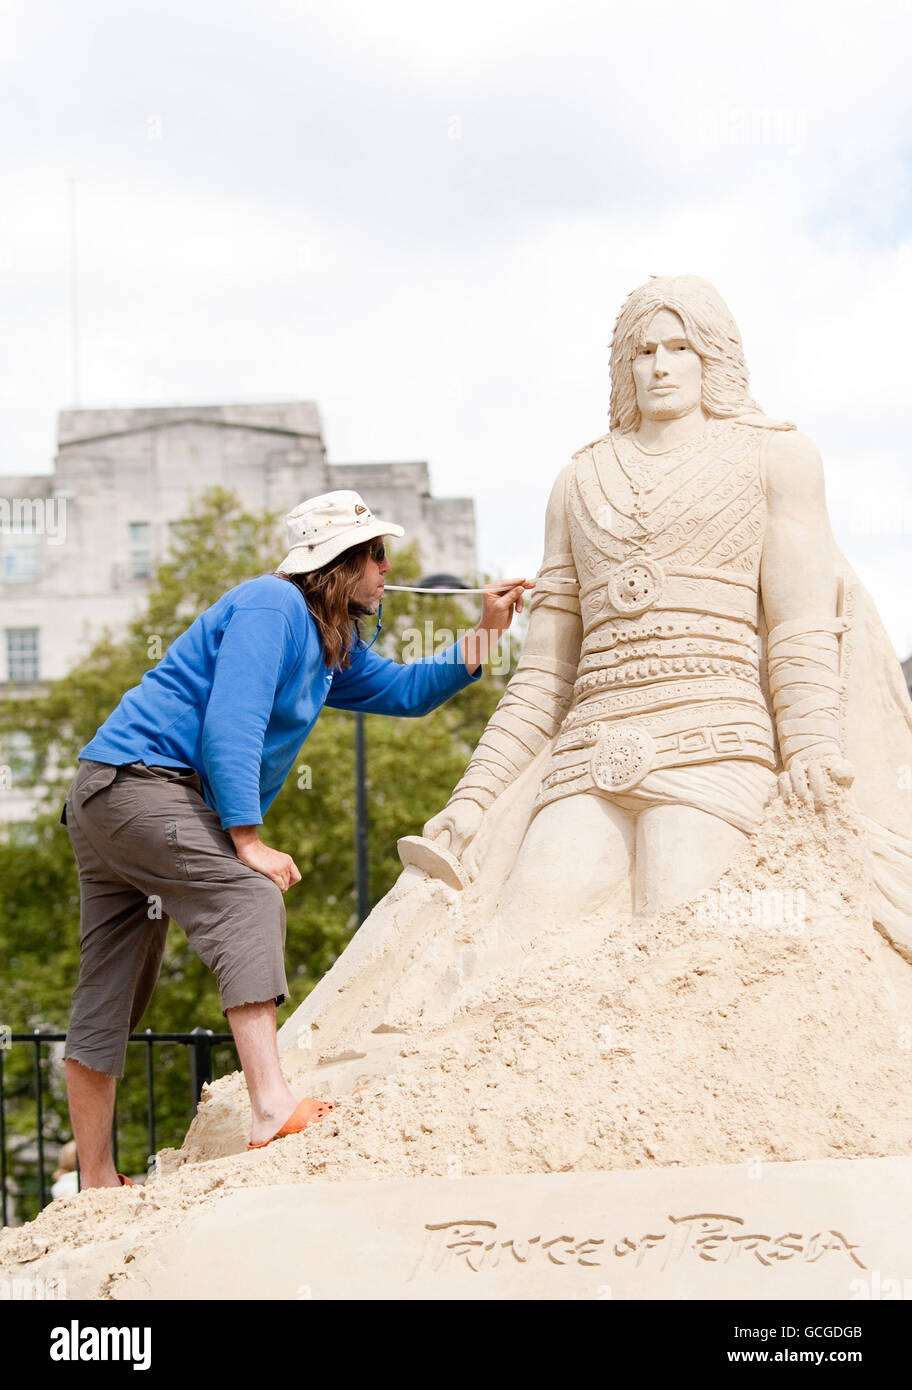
(164, 811)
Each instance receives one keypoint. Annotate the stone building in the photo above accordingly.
(78, 546)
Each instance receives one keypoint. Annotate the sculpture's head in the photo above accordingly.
(709, 329)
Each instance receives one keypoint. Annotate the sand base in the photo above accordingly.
(707, 1106)
(826, 1229)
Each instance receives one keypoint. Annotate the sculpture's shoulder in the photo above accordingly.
(563, 480)
(792, 444)
(792, 465)
(756, 420)
(580, 453)
(771, 439)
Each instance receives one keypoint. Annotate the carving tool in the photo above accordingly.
(412, 589)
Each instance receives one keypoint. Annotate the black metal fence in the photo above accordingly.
(200, 1043)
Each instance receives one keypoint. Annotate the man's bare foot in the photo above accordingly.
(101, 1177)
(304, 1112)
(270, 1114)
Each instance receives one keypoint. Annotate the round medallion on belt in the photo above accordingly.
(635, 585)
(621, 758)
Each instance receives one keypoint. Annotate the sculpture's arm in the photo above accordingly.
(539, 693)
(799, 587)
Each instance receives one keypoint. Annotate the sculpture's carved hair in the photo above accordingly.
(710, 330)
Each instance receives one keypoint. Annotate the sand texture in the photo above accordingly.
(684, 1041)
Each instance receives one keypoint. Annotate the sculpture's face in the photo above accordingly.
(667, 371)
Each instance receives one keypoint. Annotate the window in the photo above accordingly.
(19, 756)
(19, 555)
(22, 653)
(140, 550)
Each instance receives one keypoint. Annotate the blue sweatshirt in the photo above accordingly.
(238, 692)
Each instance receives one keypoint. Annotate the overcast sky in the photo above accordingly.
(424, 217)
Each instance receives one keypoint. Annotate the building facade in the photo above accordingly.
(78, 546)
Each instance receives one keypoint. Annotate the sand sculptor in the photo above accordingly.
(674, 935)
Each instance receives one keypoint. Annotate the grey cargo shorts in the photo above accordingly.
(148, 848)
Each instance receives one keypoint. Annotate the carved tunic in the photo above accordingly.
(666, 548)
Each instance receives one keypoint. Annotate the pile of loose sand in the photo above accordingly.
(767, 1021)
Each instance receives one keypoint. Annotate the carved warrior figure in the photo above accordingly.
(697, 645)
(690, 650)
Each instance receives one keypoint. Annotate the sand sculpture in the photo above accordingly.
(697, 769)
(696, 635)
(665, 918)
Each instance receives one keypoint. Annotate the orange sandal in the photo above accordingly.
(124, 1180)
(305, 1113)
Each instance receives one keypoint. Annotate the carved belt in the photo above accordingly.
(617, 757)
(660, 695)
(651, 671)
(621, 757)
(634, 586)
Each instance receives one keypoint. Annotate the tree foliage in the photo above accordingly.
(412, 767)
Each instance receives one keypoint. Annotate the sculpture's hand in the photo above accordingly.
(455, 825)
(815, 780)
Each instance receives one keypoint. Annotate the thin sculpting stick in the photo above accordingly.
(411, 589)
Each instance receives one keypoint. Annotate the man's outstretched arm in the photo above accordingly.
(378, 685)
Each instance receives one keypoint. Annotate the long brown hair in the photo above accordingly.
(329, 594)
(711, 331)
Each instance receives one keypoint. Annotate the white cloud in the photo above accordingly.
(425, 218)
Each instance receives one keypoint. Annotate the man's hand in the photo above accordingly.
(455, 825)
(814, 780)
(500, 602)
(251, 851)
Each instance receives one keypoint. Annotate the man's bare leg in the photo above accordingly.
(680, 851)
(271, 1100)
(91, 1099)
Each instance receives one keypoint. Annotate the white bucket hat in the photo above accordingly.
(322, 527)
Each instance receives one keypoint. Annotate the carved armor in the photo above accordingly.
(666, 550)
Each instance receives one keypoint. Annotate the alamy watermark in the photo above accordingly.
(431, 640)
(33, 1287)
(780, 909)
(754, 126)
(882, 517)
(878, 1287)
(38, 516)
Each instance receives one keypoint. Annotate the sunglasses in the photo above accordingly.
(378, 551)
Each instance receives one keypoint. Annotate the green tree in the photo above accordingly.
(412, 767)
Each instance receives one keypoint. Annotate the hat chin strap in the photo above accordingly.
(379, 626)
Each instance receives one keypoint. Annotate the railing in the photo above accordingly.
(200, 1043)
